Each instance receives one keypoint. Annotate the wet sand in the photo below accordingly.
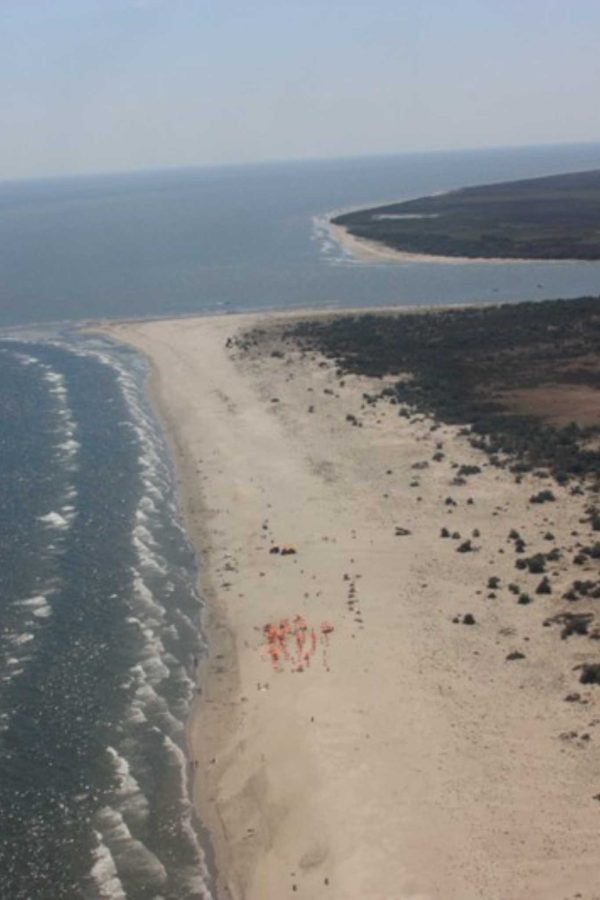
(355, 736)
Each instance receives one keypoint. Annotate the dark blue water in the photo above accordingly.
(239, 238)
(98, 635)
(99, 619)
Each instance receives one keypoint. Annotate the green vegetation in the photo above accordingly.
(541, 218)
(471, 367)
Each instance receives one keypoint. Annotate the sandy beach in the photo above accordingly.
(373, 251)
(376, 720)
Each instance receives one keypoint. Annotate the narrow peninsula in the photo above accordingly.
(551, 218)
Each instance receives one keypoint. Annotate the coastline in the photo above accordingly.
(372, 252)
(382, 768)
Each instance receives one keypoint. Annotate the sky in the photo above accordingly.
(115, 85)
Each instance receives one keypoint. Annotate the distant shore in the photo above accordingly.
(550, 218)
(372, 722)
(374, 251)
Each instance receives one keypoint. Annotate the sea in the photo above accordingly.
(100, 633)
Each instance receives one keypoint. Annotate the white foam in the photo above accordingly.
(70, 446)
(104, 873)
(27, 360)
(38, 601)
(133, 801)
(147, 505)
(20, 639)
(143, 535)
(54, 520)
(197, 876)
(44, 613)
(154, 651)
(135, 714)
(147, 699)
(131, 857)
(53, 377)
(146, 558)
(145, 598)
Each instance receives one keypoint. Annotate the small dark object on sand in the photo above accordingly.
(515, 655)
(543, 497)
(590, 673)
(573, 698)
(574, 623)
(465, 547)
(274, 550)
(544, 587)
(402, 532)
(468, 619)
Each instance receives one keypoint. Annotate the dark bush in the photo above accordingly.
(590, 673)
(465, 547)
(543, 497)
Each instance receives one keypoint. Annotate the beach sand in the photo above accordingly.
(366, 250)
(407, 757)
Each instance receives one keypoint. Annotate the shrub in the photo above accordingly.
(465, 547)
(543, 497)
(536, 564)
(468, 470)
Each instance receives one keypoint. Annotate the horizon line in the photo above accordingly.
(175, 167)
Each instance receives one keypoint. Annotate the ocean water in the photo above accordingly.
(99, 615)
(251, 237)
(98, 635)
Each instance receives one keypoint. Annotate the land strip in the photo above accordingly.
(391, 706)
(551, 218)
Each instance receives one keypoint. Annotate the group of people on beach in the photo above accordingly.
(294, 642)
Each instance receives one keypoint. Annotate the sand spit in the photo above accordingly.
(366, 250)
(378, 719)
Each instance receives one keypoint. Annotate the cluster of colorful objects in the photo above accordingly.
(294, 642)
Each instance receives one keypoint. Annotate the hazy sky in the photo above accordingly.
(94, 85)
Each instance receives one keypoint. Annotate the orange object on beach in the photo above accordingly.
(299, 632)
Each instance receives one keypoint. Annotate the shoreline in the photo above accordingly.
(369, 251)
(330, 773)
